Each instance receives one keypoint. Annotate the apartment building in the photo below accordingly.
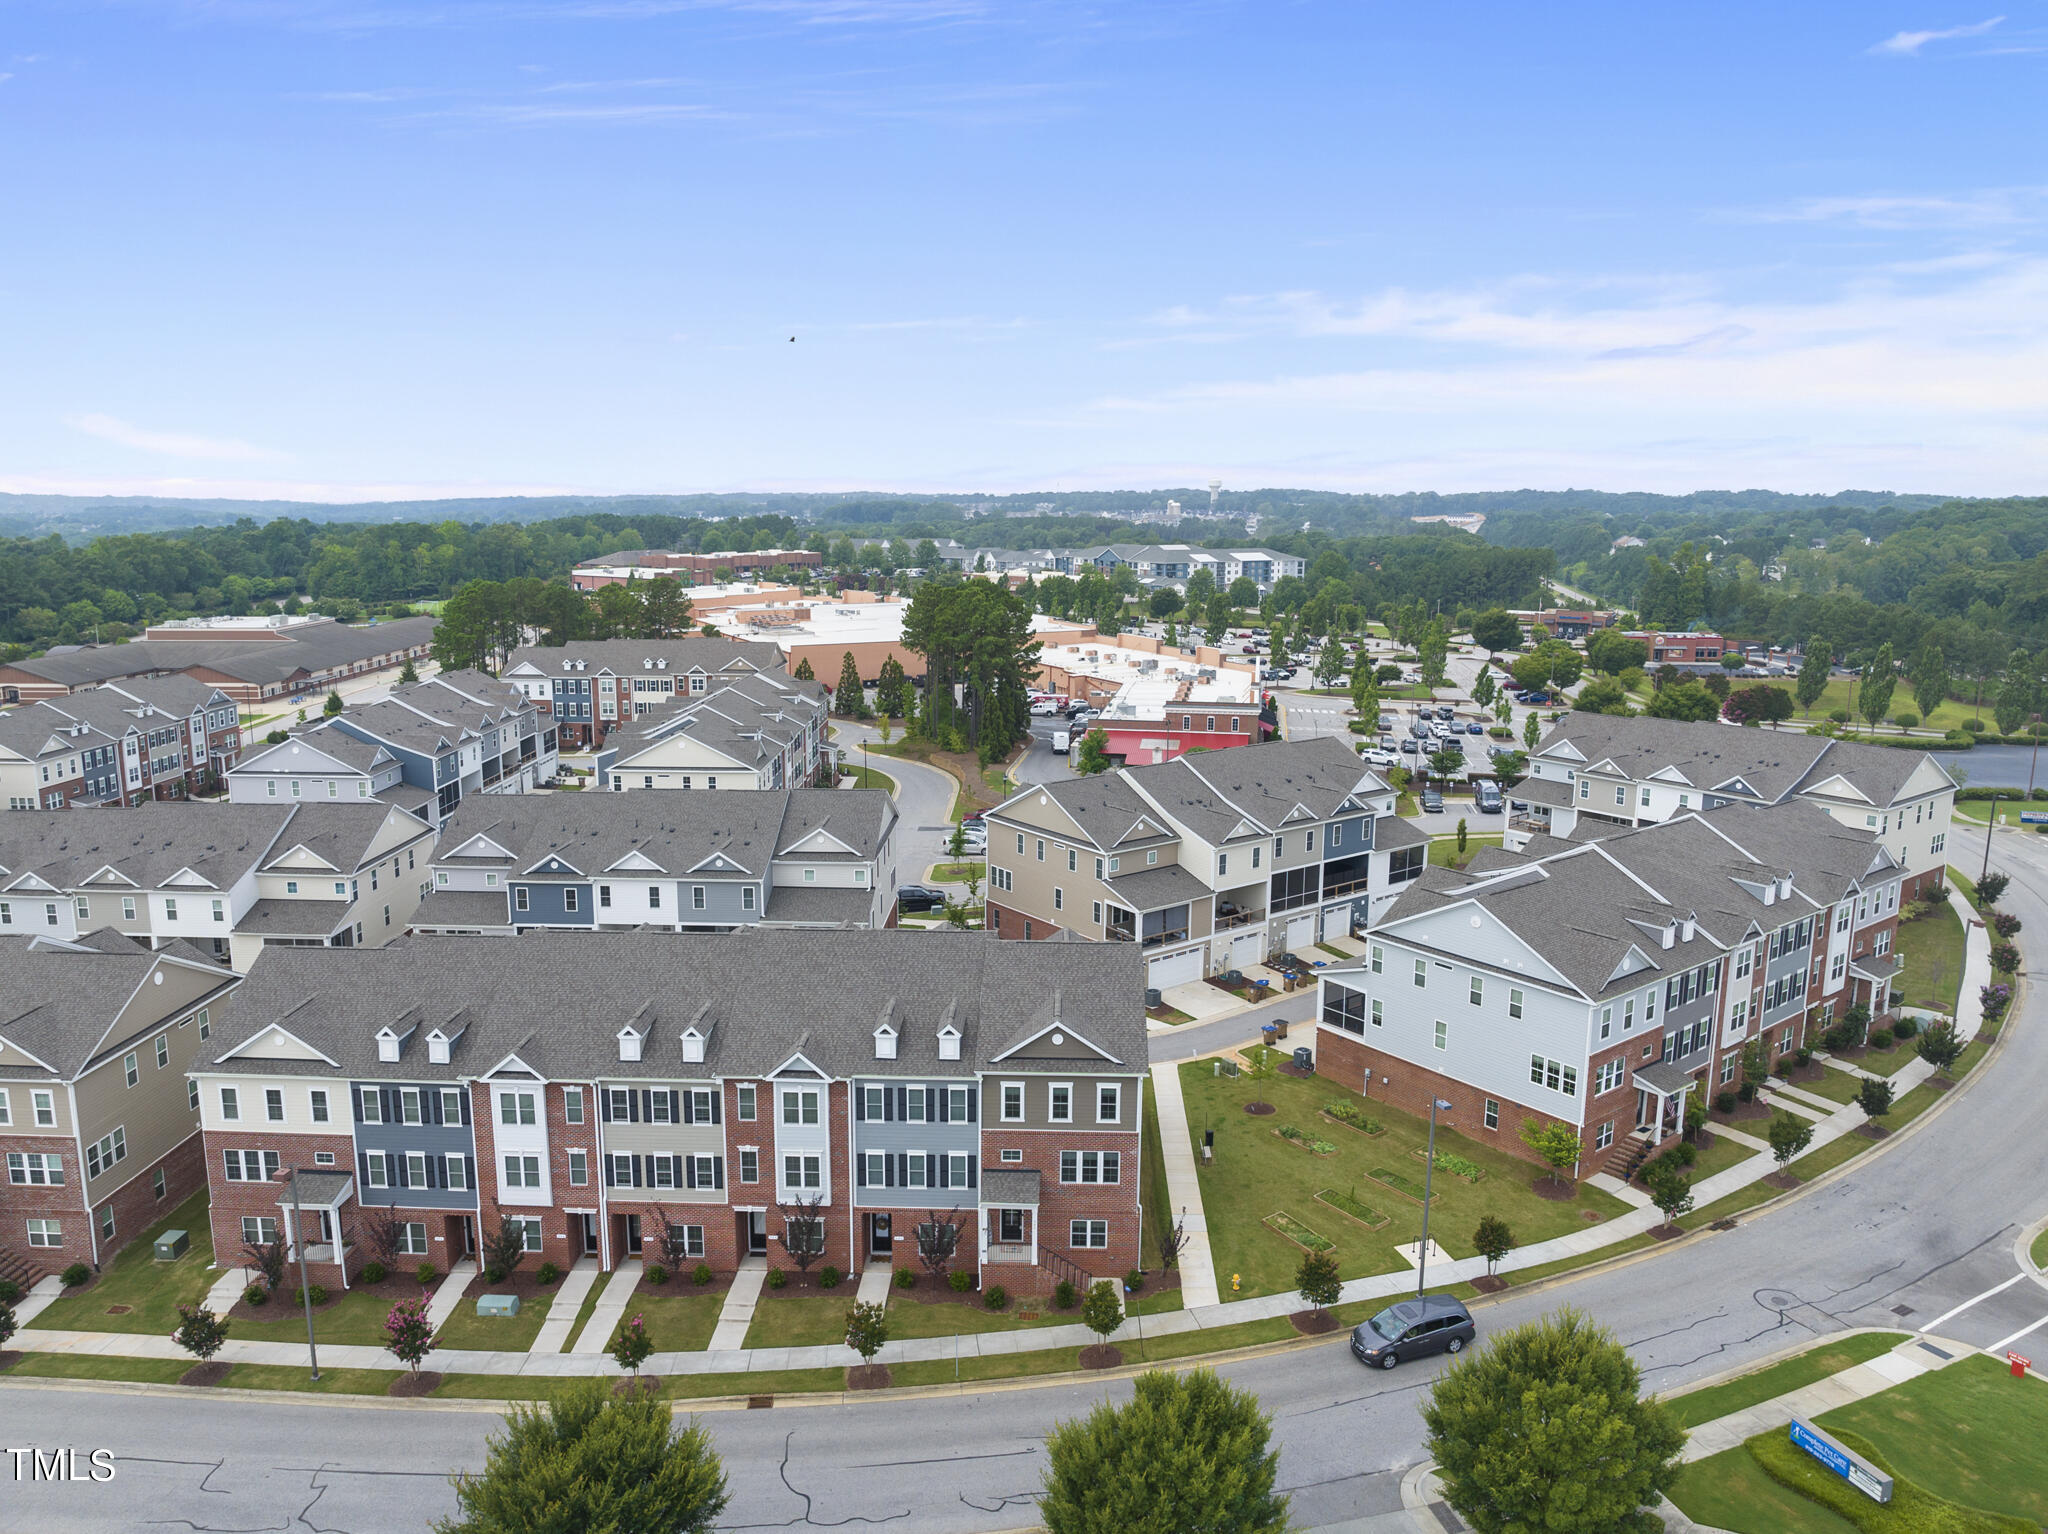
(591, 686)
(228, 879)
(812, 857)
(251, 663)
(99, 1124)
(754, 1091)
(756, 733)
(1206, 863)
(434, 742)
(122, 744)
(1599, 982)
(1172, 563)
(1593, 767)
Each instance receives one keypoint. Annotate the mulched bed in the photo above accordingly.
(1488, 1283)
(1786, 1180)
(682, 1284)
(1555, 1191)
(209, 1373)
(1300, 1073)
(1939, 1085)
(414, 1383)
(1873, 1131)
(1100, 1355)
(1313, 1323)
(801, 1283)
(637, 1384)
(1667, 1232)
(868, 1377)
(1259, 1110)
(1811, 1071)
(9, 1360)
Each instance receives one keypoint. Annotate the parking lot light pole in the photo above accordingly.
(305, 1289)
(1436, 1105)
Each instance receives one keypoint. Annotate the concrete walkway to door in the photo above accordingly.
(737, 1313)
(610, 1309)
(1183, 1189)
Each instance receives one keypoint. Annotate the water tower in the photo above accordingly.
(1214, 486)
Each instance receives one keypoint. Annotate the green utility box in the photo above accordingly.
(172, 1245)
(497, 1304)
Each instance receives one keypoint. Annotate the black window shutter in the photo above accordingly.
(469, 1167)
(689, 1108)
(973, 1107)
(716, 1114)
(362, 1168)
(718, 1171)
(609, 1180)
(889, 1113)
(632, 1106)
(971, 1179)
(356, 1101)
(646, 1106)
(860, 1105)
(636, 1171)
(902, 1106)
(689, 1171)
(945, 1173)
(604, 1105)
(944, 1103)
(860, 1171)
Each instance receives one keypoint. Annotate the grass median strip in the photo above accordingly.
(1781, 1378)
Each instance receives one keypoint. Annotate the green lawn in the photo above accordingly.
(678, 1323)
(1932, 947)
(1730, 1491)
(957, 873)
(152, 1290)
(2040, 1250)
(800, 1321)
(357, 1317)
(1781, 1378)
(1837, 1086)
(1152, 1181)
(1947, 715)
(1443, 851)
(1256, 1174)
(1963, 884)
(1719, 1156)
(1887, 1062)
(502, 1334)
(869, 777)
(1970, 1433)
(912, 1317)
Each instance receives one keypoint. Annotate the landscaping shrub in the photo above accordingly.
(1912, 1506)
(317, 1292)
(777, 1278)
(1352, 1114)
(655, 1273)
(548, 1273)
(1880, 1038)
(427, 1273)
(1724, 1102)
(961, 1280)
(2003, 922)
(701, 1274)
(78, 1273)
(373, 1273)
(828, 1277)
(1974, 725)
(1904, 1028)
(1458, 1166)
(255, 1295)
(10, 1292)
(996, 1297)
(1746, 1092)
(1134, 1281)
(1994, 999)
(906, 1278)
(1063, 1295)
(2005, 957)
(1804, 1056)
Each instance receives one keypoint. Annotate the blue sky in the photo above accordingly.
(352, 248)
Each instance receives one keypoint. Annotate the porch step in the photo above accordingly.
(23, 1269)
(1627, 1155)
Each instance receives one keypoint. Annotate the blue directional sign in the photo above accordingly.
(1846, 1463)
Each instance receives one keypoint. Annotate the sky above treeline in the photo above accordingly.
(356, 249)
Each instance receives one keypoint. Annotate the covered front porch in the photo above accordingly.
(1012, 1255)
(315, 1201)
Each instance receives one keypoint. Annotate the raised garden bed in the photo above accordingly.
(1345, 1204)
(1284, 1224)
(1353, 1118)
(1454, 1165)
(1400, 1182)
(1301, 1140)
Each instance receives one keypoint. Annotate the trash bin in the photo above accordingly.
(1268, 1033)
(1304, 1057)
(1282, 1027)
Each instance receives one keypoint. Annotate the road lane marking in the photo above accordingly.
(2005, 1342)
(1998, 1289)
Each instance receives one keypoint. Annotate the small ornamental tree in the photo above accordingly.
(1874, 1097)
(267, 1258)
(1094, 753)
(803, 1230)
(867, 1328)
(1187, 1452)
(1940, 1046)
(1493, 1241)
(381, 1230)
(1670, 1189)
(938, 1239)
(1990, 888)
(1317, 1280)
(1463, 835)
(200, 1332)
(803, 672)
(1556, 1144)
(503, 1247)
(1789, 1134)
(409, 1332)
(408, 672)
(631, 1344)
(1173, 1239)
(1102, 1312)
(1532, 730)
(674, 1240)
(592, 1461)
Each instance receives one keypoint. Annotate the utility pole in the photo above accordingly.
(1436, 1104)
(306, 1291)
(1989, 822)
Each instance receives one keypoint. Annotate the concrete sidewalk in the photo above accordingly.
(610, 1310)
(1909, 1360)
(442, 1306)
(568, 1304)
(1183, 1189)
(737, 1313)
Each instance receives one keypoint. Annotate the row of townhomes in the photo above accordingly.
(425, 748)
(126, 743)
(1206, 863)
(1601, 980)
(1155, 564)
(1631, 772)
(589, 687)
(226, 879)
(99, 1122)
(252, 660)
(805, 857)
(756, 733)
(764, 1090)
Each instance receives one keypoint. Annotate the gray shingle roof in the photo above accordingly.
(806, 905)
(295, 918)
(1150, 888)
(628, 656)
(1106, 808)
(1211, 791)
(463, 908)
(58, 1000)
(317, 648)
(67, 848)
(558, 1000)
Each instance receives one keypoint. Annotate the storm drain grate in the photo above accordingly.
(1937, 1352)
(759, 1403)
(1902, 1310)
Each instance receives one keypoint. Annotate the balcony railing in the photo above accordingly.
(1528, 823)
(1155, 939)
(1293, 902)
(1228, 919)
(1120, 934)
(1346, 887)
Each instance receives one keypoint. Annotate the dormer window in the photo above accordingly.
(629, 1044)
(437, 1047)
(693, 1047)
(387, 1045)
(949, 1043)
(885, 1043)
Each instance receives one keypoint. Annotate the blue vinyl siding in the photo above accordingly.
(432, 1136)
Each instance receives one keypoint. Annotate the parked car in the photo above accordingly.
(1432, 1323)
(918, 897)
(1046, 709)
(1487, 798)
(1447, 714)
(1475, 728)
(1410, 746)
(1377, 757)
(1432, 801)
(1386, 723)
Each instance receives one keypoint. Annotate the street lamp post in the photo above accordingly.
(305, 1289)
(1436, 1105)
(2035, 761)
(1990, 821)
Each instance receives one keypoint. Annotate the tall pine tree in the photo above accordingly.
(849, 700)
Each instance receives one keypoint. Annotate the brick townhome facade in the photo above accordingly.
(614, 1079)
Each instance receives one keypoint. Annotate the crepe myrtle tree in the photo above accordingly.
(803, 1230)
(938, 1240)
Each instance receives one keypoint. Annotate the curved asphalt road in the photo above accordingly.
(1925, 1226)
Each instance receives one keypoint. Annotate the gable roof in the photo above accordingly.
(59, 1002)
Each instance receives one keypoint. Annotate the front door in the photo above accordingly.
(1646, 1108)
(757, 1234)
(632, 1235)
(880, 1243)
(1010, 1227)
(587, 1225)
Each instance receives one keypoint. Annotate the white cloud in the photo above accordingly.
(171, 444)
(1987, 208)
(1909, 43)
(201, 487)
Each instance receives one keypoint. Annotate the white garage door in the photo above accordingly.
(1246, 949)
(1175, 969)
(1301, 932)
